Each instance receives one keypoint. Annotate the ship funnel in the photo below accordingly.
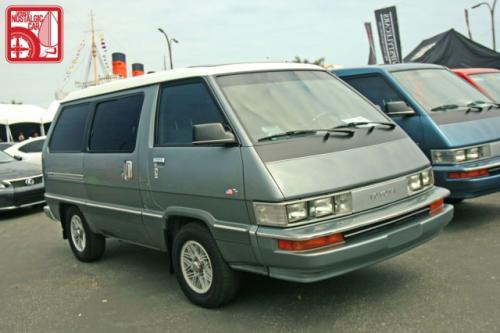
(137, 69)
(119, 64)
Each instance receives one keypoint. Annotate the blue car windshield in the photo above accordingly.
(434, 88)
(269, 103)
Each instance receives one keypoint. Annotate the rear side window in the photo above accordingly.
(69, 129)
(46, 127)
(114, 128)
(182, 106)
(33, 147)
(376, 89)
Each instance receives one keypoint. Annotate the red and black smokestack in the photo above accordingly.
(137, 69)
(119, 64)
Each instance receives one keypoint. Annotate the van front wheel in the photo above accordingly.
(86, 245)
(204, 276)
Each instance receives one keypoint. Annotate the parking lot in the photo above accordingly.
(451, 284)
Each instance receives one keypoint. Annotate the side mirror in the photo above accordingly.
(399, 108)
(212, 133)
(18, 158)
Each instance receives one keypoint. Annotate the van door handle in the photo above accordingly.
(157, 161)
(128, 171)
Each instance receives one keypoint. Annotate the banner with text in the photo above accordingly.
(388, 32)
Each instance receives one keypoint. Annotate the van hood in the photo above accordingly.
(470, 129)
(339, 170)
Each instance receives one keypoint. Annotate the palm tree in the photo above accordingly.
(319, 61)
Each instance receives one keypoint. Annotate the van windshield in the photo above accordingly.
(489, 82)
(270, 103)
(435, 89)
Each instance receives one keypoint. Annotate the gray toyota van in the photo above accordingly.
(276, 169)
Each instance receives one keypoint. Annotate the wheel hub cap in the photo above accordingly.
(196, 267)
(77, 231)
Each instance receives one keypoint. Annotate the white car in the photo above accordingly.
(29, 150)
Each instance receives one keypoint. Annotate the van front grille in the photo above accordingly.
(384, 225)
(28, 181)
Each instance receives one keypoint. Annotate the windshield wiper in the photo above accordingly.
(491, 105)
(305, 132)
(469, 107)
(445, 107)
(357, 124)
(473, 106)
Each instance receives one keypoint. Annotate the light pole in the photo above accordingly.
(492, 13)
(169, 45)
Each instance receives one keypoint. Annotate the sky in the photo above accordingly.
(228, 31)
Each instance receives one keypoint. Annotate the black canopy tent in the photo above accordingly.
(454, 50)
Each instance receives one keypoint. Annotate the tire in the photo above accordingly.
(86, 245)
(195, 241)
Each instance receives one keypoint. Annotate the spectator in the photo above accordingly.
(20, 137)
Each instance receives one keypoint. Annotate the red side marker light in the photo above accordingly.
(436, 207)
(469, 174)
(314, 243)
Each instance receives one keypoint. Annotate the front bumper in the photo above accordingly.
(469, 187)
(366, 248)
(20, 197)
(48, 213)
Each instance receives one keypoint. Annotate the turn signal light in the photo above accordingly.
(469, 174)
(436, 207)
(314, 243)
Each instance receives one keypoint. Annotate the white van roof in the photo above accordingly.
(20, 113)
(181, 73)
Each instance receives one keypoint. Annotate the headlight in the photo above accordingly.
(414, 183)
(420, 181)
(343, 203)
(296, 212)
(427, 177)
(283, 214)
(453, 156)
(321, 207)
(271, 214)
(473, 153)
(3, 184)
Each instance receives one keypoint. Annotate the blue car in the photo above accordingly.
(456, 126)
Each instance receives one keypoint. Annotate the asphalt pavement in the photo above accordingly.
(450, 284)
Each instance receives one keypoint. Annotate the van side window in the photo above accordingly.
(375, 88)
(114, 128)
(182, 106)
(70, 129)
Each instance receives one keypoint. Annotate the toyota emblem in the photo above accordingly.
(29, 181)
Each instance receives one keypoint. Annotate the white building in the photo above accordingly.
(18, 121)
